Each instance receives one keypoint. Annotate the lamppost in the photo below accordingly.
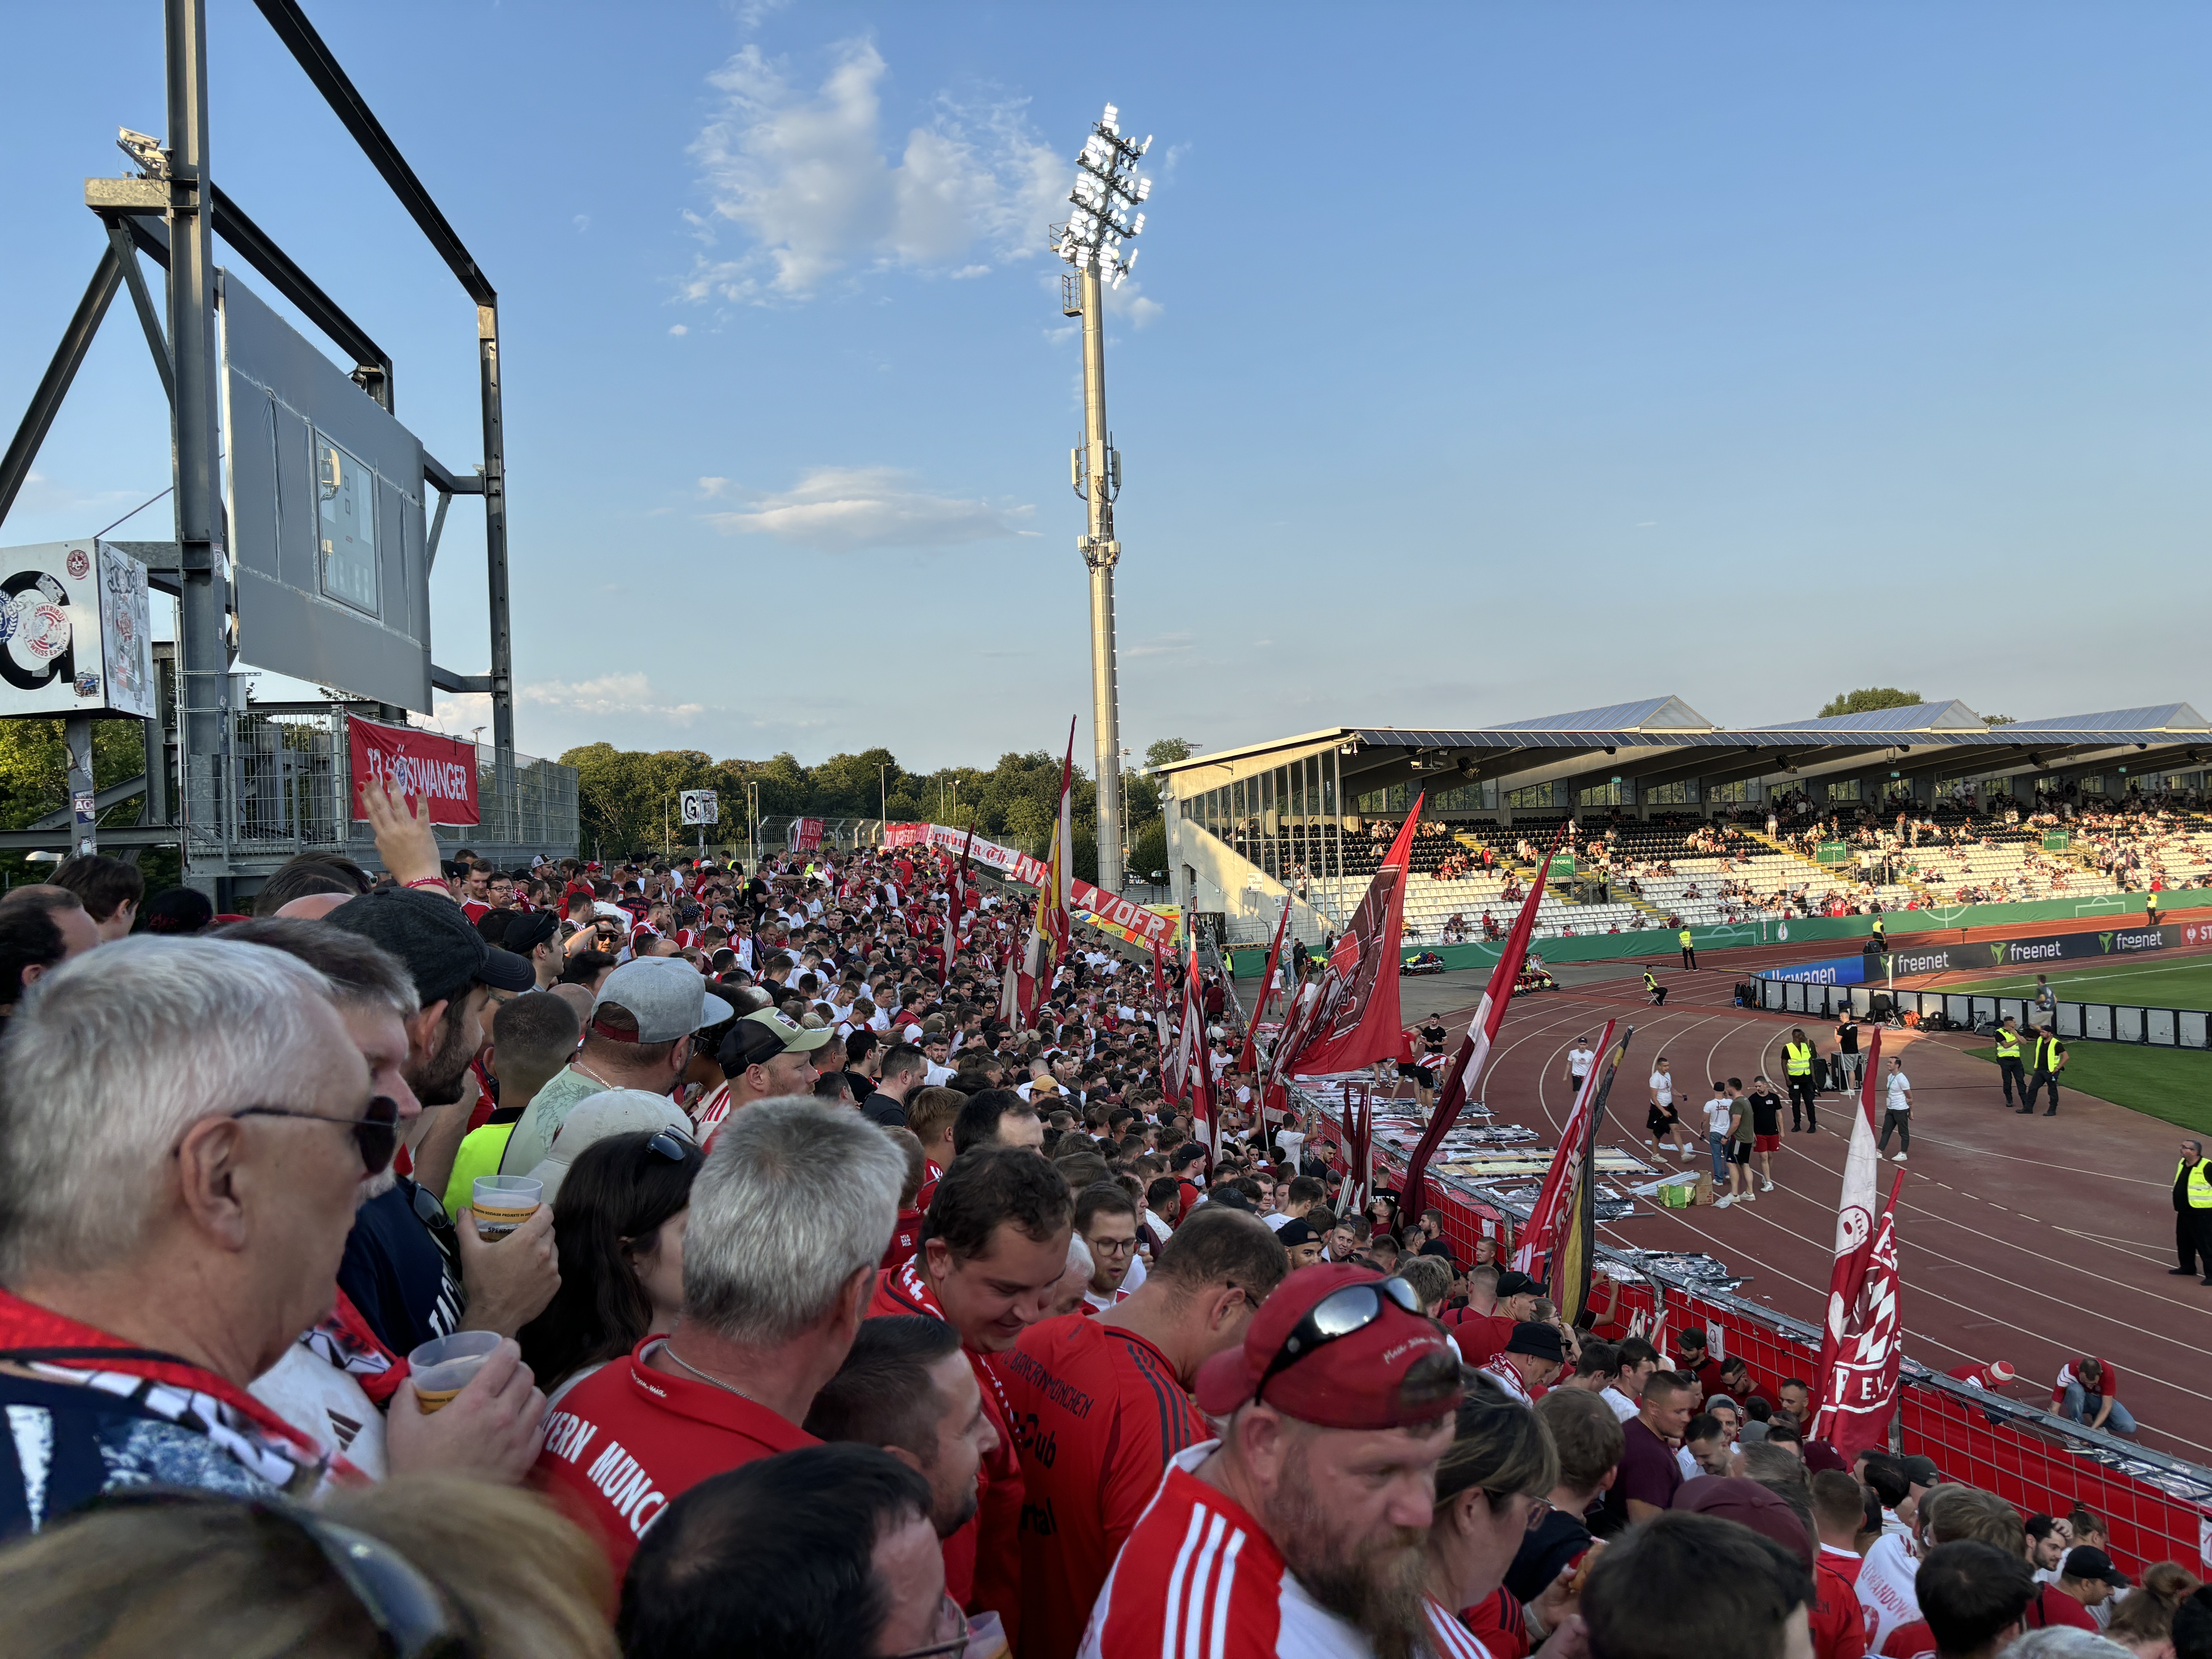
(1103, 215)
(883, 799)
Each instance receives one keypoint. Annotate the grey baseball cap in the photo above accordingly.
(665, 995)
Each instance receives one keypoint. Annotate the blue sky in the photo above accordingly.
(1484, 361)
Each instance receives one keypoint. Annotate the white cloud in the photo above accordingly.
(582, 221)
(811, 178)
(608, 695)
(1160, 645)
(680, 328)
(837, 509)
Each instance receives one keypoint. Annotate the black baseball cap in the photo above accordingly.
(432, 936)
(1515, 1284)
(1541, 1340)
(2085, 1562)
(1297, 1231)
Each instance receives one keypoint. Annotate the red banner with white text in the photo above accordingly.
(1139, 923)
(442, 770)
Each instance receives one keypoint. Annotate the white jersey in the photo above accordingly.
(1198, 1578)
(1885, 1587)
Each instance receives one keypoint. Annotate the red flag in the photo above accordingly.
(1356, 1023)
(1854, 1223)
(1198, 1069)
(1051, 926)
(1858, 1383)
(956, 901)
(1566, 1183)
(1464, 1075)
(1245, 1058)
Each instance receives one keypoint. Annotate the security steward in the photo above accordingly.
(2048, 1060)
(1689, 950)
(2192, 1211)
(1804, 1087)
(2009, 1070)
(1880, 935)
(1658, 991)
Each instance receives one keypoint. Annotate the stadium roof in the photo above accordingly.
(1660, 740)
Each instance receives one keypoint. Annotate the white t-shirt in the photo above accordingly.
(1289, 1140)
(1578, 1060)
(1900, 1097)
(1885, 1587)
(1623, 1406)
(1662, 1086)
(1717, 1113)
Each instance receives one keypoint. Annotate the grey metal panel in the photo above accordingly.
(281, 392)
(1981, 1008)
(2097, 1021)
(1958, 1008)
(2128, 1024)
(2193, 1032)
(2070, 1019)
(2016, 1007)
(2157, 1026)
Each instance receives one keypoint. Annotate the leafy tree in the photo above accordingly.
(1997, 720)
(1148, 852)
(1867, 699)
(1161, 751)
(34, 781)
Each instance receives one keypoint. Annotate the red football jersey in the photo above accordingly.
(627, 1440)
(983, 1560)
(1199, 1579)
(906, 1239)
(1097, 1413)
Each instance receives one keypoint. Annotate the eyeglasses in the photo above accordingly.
(414, 1618)
(377, 1135)
(1538, 1508)
(666, 1143)
(1339, 1313)
(949, 1617)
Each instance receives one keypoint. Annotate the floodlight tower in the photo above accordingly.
(1103, 214)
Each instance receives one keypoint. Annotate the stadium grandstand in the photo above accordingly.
(1672, 821)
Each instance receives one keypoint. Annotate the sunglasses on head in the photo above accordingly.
(1341, 1312)
(377, 1135)
(414, 1618)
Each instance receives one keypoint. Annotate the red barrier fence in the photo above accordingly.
(2158, 1508)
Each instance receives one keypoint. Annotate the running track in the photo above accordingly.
(2031, 1240)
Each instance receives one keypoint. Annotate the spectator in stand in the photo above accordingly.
(1638, 1360)
(1491, 1490)
(998, 1117)
(2088, 1576)
(1974, 1597)
(1696, 1587)
(1106, 1221)
(194, 1238)
(1838, 1517)
(1297, 1238)
(789, 1216)
(931, 1114)
(764, 1055)
(1532, 1361)
(639, 1037)
(2087, 1392)
(531, 1038)
(993, 1247)
(40, 927)
(1955, 1514)
(2143, 1622)
(1589, 1439)
(328, 879)
(619, 1215)
(1340, 1406)
(902, 1072)
(1650, 1475)
(445, 1565)
(820, 1553)
(1105, 1406)
(907, 1388)
(110, 891)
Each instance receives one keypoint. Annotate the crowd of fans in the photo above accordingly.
(671, 1261)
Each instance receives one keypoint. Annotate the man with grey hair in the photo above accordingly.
(185, 1132)
(789, 1217)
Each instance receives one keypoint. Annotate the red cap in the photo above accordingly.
(2000, 1372)
(1355, 1381)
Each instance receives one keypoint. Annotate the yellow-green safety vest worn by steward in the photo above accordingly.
(1797, 1058)
(1650, 980)
(2046, 1052)
(2007, 1044)
(2200, 1184)
(1685, 939)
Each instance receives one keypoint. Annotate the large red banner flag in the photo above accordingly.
(1464, 1075)
(426, 767)
(1356, 1021)
(1555, 1242)
(1858, 1387)
(1197, 1070)
(1245, 1056)
(955, 903)
(1051, 926)
(1856, 1213)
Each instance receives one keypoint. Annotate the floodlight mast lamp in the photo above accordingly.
(1103, 215)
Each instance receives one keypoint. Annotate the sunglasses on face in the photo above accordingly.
(377, 1135)
(1339, 1314)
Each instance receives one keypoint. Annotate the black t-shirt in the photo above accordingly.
(1848, 1035)
(1766, 1112)
(1432, 1036)
(883, 1110)
(403, 1277)
(1560, 1539)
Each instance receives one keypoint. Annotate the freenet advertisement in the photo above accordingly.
(1988, 955)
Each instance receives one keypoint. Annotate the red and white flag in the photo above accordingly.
(1464, 1075)
(1051, 927)
(1843, 1351)
(1858, 1386)
(1245, 1058)
(956, 904)
(1355, 1023)
(1198, 1059)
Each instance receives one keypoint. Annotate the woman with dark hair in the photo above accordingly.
(619, 1220)
(1492, 1490)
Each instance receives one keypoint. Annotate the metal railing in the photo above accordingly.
(2032, 1458)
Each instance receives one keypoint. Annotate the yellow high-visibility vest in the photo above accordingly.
(1685, 939)
(2200, 1185)
(2007, 1044)
(1797, 1057)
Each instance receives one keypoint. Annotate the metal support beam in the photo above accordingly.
(495, 500)
(204, 614)
(142, 301)
(437, 529)
(53, 387)
(114, 795)
(372, 362)
(84, 813)
(453, 483)
(446, 680)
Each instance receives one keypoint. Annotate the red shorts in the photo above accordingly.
(1766, 1143)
